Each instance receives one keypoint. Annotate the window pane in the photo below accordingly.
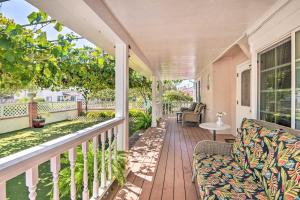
(283, 53)
(284, 77)
(283, 103)
(267, 101)
(267, 80)
(298, 45)
(267, 60)
(269, 117)
(245, 89)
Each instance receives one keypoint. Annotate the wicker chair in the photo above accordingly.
(195, 116)
(189, 109)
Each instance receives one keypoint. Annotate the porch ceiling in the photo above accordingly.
(172, 39)
(180, 37)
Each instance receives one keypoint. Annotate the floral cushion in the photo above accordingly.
(220, 177)
(273, 156)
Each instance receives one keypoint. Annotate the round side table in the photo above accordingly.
(212, 126)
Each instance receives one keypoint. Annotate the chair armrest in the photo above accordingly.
(188, 113)
(184, 109)
(213, 147)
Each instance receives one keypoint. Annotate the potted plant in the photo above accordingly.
(38, 122)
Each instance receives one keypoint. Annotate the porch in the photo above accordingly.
(161, 163)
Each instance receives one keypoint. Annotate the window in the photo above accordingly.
(73, 98)
(49, 99)
(60, 98)
(245, 87)
(275, 84)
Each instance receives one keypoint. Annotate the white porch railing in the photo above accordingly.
(110, 105)
(28, 160)
(170, 108)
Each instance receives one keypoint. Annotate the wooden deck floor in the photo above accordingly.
(160, 163)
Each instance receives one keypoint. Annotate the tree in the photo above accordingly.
(174, 95)
(26, 56)
(91, 71)
(140, 84)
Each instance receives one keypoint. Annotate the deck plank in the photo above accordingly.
(161, 163)
(156, 192)
(169, 174)
(179, 186)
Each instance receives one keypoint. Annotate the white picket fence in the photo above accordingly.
(49, 107)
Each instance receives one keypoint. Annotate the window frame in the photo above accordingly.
(289, 36)
(274, 46)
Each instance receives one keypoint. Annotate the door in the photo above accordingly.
(243, 92)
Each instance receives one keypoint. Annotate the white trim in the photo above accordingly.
(121, 91)
(267, 16)
(293, 84)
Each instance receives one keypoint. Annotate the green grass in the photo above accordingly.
(19, 140)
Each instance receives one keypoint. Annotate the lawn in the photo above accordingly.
(19, 140)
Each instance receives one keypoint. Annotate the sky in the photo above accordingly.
(18, 10)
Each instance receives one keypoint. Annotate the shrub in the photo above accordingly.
(101, 114)
(118, 171)
(137, 119)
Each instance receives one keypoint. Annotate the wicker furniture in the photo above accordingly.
(189, 109)
(194, 116)
(178, 117)
(263, 163)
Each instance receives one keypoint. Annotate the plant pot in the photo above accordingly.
(38, 123)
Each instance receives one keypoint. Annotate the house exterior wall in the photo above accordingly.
(279, 27)
(221, 97)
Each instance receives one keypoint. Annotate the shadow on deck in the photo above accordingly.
(160, 163)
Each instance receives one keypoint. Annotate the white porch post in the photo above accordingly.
(122, 85)
(154, 103)
(160, 105)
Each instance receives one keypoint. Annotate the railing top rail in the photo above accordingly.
(18, 163)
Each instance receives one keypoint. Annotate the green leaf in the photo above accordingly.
(4, 43)
(58, 26)
(42, 38)
(32, 17)
(9, 56)
(47, 72)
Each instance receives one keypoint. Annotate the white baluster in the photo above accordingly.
(85, 192)
(55, 167)
(103, 173)
(32, 178)
(72, 159)
(109, 155)
(3, 190)
(95, 181)
(116, 145)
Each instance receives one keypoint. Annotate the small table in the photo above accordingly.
(214, 127)
(179, 116)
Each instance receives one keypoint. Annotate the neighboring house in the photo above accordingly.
(53, 96)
